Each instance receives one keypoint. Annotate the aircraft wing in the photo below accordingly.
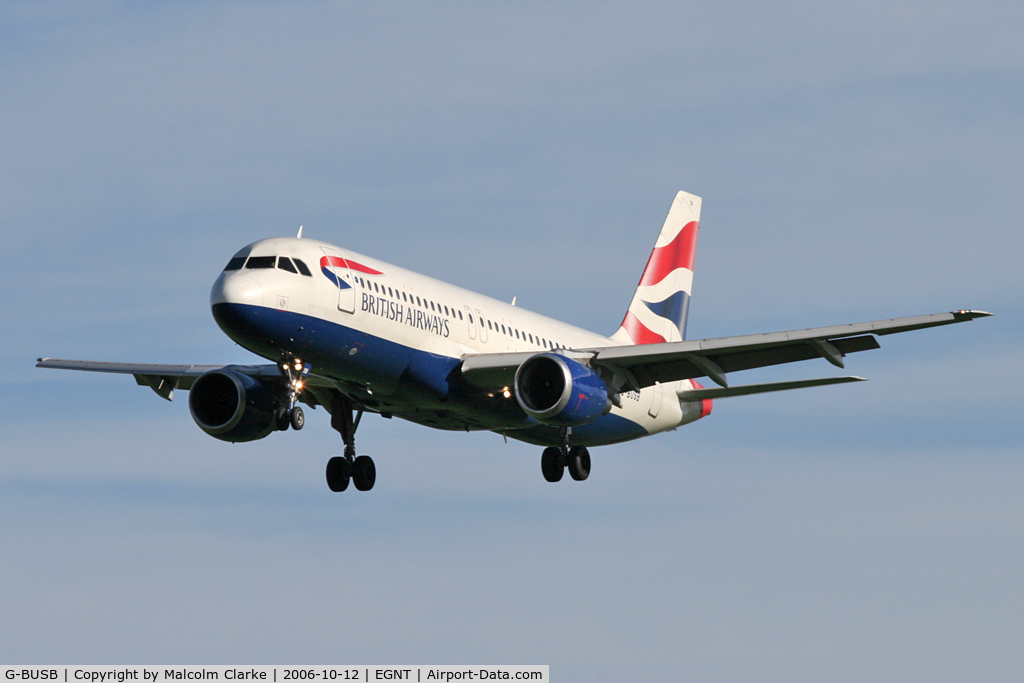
(638, 366)
(164, 379)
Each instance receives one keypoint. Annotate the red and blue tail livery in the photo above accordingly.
(661, 302)
(372, 338)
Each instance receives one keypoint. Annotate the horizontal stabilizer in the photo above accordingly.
(747, 389)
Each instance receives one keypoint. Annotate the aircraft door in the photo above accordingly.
(471, 321)
(656, 402)
(483, 326)
(335, 267)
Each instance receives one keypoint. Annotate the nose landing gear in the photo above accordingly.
(342, 468)
(292, 416)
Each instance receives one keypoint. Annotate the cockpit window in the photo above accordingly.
(302, 268)
(235, 263)
(285, 263)
(261, 262)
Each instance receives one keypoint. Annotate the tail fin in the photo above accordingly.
(658, 310)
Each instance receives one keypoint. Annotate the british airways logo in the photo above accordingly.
(329, 263)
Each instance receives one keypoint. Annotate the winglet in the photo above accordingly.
(962, 316)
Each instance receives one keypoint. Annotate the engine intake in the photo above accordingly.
(560, 391)
(231, 406)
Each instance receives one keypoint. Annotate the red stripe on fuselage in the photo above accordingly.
(676, 254)
(638, 332)
(348, 263)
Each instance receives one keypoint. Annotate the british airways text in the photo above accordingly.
(393, 310)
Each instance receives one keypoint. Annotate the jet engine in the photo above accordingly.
(560, 391)
(231, 406)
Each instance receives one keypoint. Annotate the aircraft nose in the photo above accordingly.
(236, 288)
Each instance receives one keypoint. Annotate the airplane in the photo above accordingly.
(356, 335)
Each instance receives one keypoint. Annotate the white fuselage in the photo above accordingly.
(354, 306)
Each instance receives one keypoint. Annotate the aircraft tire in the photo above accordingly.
(338, 474)
(579, 463)
(282, 420)
(298, 418)
(364, 473)
(551, 465)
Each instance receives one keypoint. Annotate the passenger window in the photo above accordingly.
(235, 263)
(302, 268)
(418, 303)
(470, 317)
(531, 337)
(446, 310)
(489, 325)
(404, 297)
(261, 262)
(376, 288)
(285, 263)
(517, 334)
(431, 305)
(503, 330)
(460, 315)
(390, 293)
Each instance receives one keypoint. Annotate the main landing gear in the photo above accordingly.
(342, 468)
(555, 460)
(290, 417)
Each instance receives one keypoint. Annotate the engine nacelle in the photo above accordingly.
(231, 406)
(560, 391)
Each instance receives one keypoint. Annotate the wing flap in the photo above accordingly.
(164, 379)
(625, 356)
(736, 360)
(163, 386)
(650, 363)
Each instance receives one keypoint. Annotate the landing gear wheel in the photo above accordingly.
(364, 473)
(282, 420)
(338, 473)
(298, 420)
(579, 463)
(551, 464)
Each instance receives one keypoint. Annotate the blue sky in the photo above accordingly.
(857, 161)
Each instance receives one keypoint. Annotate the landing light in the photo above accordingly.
(298, 385)
(506, 393)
